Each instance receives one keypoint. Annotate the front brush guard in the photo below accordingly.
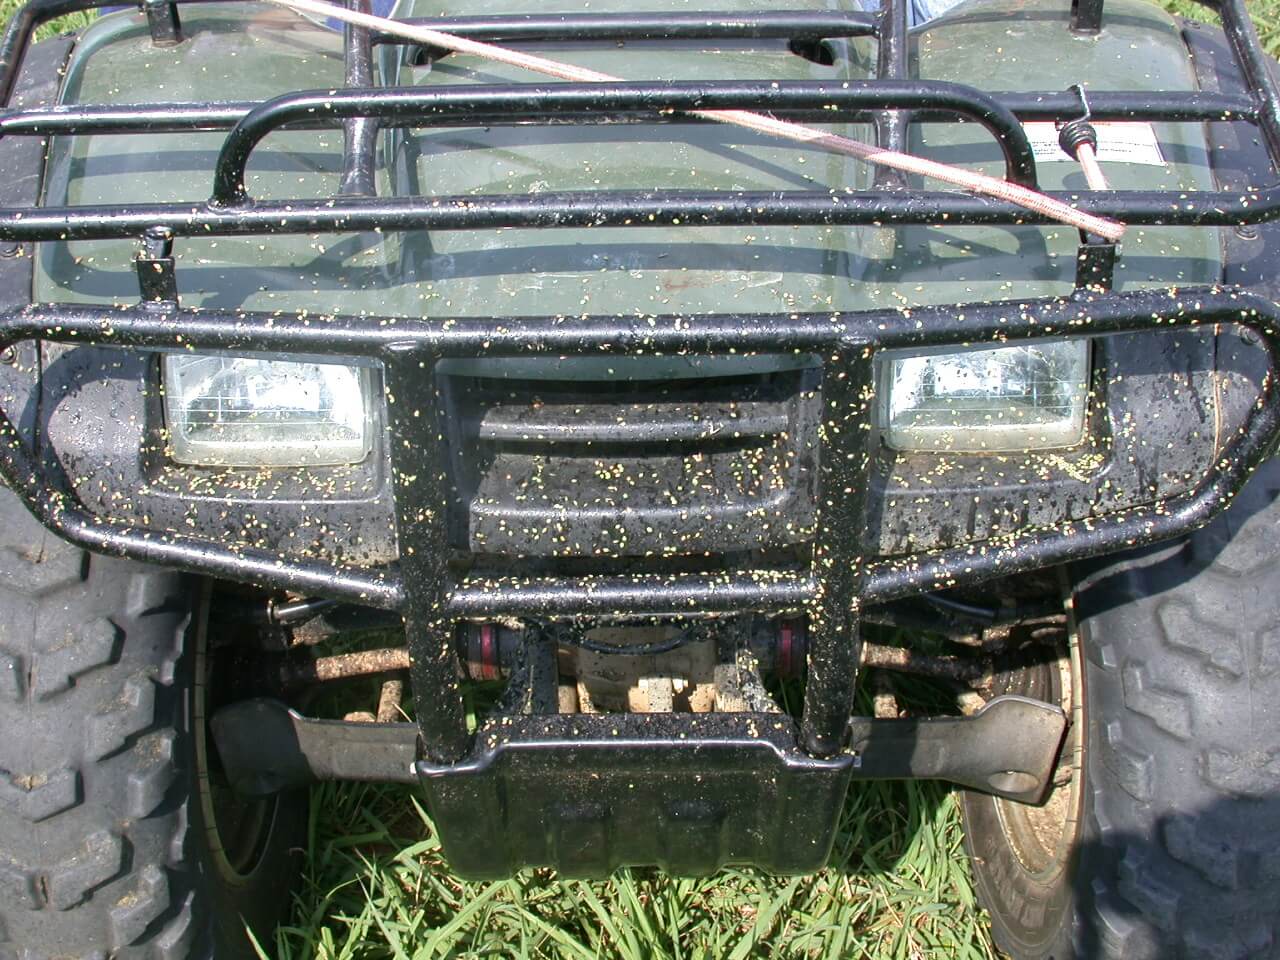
(831, 591)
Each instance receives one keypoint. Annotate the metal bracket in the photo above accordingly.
(1008, 748)
(265, 747)
(1086, 16)
(163, 20)
(1095, 263)
(154, 263)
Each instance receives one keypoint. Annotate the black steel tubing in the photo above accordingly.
(654, 208)
(125, 118)
(1255, 66)
(180, 117)
(655, 595)
(376, 336)
(885, 579)
(413, 106)
(892, 64)
(528, 28)
(1149, 105)
(1135, 207)
(423, 495)
(374, 588)
(834, 642)
(359, 134)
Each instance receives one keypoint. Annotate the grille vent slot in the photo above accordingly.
(633, 468)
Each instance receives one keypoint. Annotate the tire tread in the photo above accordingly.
(1187, 710)
(89, 754)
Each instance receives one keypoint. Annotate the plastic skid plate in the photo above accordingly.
(587, 794)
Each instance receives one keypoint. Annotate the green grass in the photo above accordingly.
(375, 885)
(72, 21)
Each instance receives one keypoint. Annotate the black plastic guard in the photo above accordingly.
(588, 794)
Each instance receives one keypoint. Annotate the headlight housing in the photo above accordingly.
(1030, 396)
(247, 411)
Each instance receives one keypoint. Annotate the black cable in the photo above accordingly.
(968, 610)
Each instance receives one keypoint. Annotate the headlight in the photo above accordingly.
(1027, 397)
(254, 412)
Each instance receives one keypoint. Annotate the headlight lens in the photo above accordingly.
(1026, 397)
(254, 412)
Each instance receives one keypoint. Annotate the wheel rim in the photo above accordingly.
(238, 829)
(1043, 836)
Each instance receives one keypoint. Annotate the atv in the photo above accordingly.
(614, 457)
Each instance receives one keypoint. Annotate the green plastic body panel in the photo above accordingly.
(1021, 45)
(500, 272)
(228, 56)
(1001, 44)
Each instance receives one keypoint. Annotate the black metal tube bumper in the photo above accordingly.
(425, 587)
(761, 590)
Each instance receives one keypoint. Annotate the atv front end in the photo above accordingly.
(633, 499)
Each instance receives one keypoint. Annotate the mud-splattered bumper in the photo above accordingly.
(425, 587)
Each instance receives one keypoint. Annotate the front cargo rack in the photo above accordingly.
(892, 100)
(839, 582)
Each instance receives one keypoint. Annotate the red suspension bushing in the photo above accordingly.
(791, 648)
(482, 646)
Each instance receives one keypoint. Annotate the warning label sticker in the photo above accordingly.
(1118, 142)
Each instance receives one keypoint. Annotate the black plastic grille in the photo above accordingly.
(580, 468)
